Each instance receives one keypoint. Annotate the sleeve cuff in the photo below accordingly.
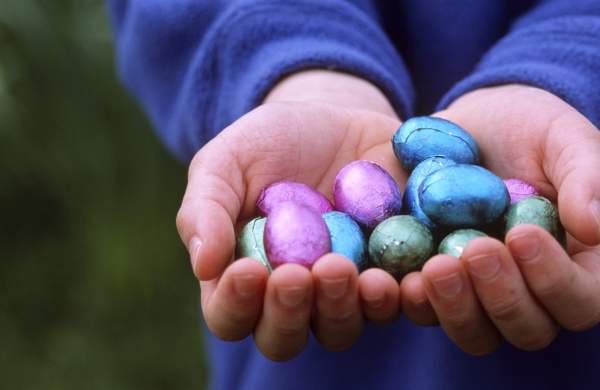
(251, 49)
(560, 55)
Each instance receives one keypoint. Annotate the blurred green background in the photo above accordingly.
(95, 287)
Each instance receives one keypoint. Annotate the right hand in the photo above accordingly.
(307, 141)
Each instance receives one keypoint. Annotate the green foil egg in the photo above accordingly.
(454, 243)
(250, 242)
(400, 244)
(536, 210)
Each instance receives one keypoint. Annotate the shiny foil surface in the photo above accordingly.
(519, 190)
(454, 243)
(400, 244)
(295, 233)
(536, 210)
(289, 191)
(411, 202)
(366, 192)
(422, 137)
(463, 195)
(250, 242)
(347, 238)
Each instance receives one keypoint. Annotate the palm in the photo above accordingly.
(308, 143)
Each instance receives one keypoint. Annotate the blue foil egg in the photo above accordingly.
(422, 137)
(347, 238)
(411, 200)
(463, 195)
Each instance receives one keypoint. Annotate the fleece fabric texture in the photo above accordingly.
(198, 65)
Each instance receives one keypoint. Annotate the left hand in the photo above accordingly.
(522, 290)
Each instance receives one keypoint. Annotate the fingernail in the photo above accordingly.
(375, 300)
(334, 288)
(194, 249)
(484, 266)
(448, 286)
(246, 286)
(291, 297)
(525, 248)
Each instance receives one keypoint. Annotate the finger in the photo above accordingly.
(379, 296)
(282, 331)
(209, 209)
(338, 318)
(456, 306)
(504, 295)
(232, 306)
(415, 303)
(569, 156)
(569, 292)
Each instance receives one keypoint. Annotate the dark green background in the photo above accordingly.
(95, 287)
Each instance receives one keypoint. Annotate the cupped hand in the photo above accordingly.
(297, 141)
(525, 289)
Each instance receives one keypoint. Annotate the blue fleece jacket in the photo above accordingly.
(197, 65)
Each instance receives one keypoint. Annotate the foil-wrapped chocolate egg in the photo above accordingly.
(463, 195)
(454, 243)
(295, 233)
(536, 210)
(366, 192)
(422, 137)
(289, 191)
(400, 244)
(347, 238)
(519, 190)
(411, 200)
(250, 242)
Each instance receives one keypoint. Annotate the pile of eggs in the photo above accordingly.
(449, 200)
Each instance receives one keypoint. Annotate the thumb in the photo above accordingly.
(210, 208)
(571, 162)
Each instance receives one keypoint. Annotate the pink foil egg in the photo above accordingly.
(295, 233)
(366, 192)
(519, 189)
(289, 191)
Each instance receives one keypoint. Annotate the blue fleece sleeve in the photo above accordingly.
(198, 65)
(555, 46)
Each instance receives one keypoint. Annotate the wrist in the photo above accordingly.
(331, 87)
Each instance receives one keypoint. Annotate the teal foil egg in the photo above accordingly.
(400, 244)
(411, 200)
(463, 195)
(250, 242)
(422, 137)
(347, 238)
(454, 243)
(536, 210)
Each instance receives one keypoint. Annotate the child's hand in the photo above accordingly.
(300, 141)
(524, 290)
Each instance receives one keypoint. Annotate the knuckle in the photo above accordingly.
(551, 284)
(505, 309)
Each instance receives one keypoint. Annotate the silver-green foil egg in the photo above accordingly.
(250, 242)
(454, 243)
(400, 244)
(536, 210)
(422, 137)
(347, 238)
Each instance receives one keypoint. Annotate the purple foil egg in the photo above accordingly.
(519, 189)
(367, 193)
(295, 233)
(289, 191)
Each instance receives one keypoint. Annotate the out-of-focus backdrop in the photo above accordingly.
(95, 287)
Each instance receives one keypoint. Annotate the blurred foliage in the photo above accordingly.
(95, 287)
